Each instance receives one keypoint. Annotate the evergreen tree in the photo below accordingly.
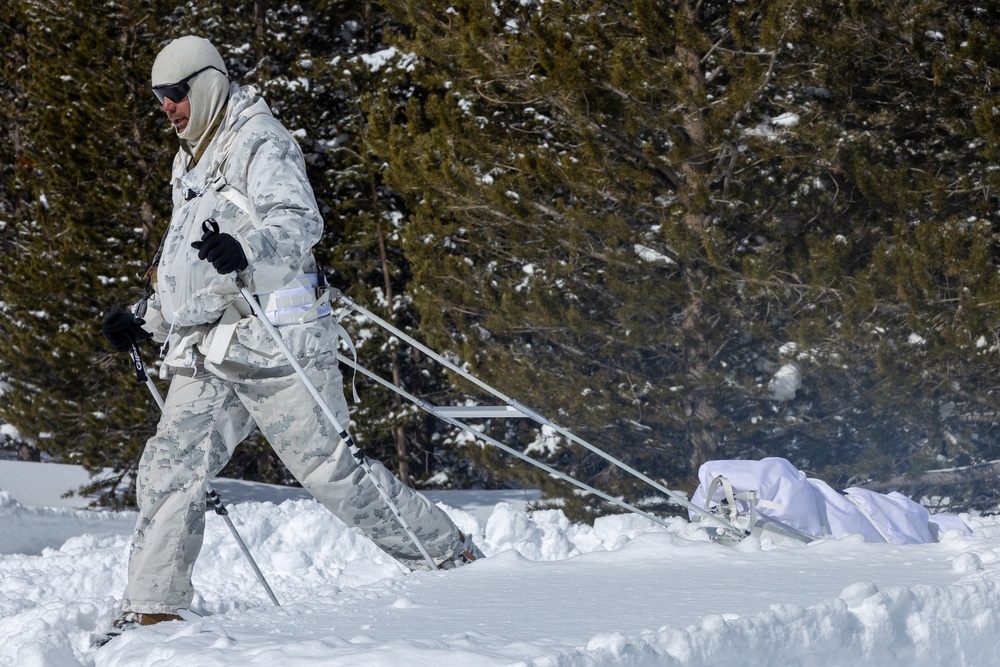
(13, 24)
(624, 212)
(897, 117)
(86, 160)
(98, 196)
(563, 232)
(635, 216)
(12, 197)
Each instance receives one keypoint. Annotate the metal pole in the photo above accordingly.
(359, 456)
(220, 509)
(541, 419)
(432, 409)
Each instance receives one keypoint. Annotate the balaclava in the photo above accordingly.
(209, 91)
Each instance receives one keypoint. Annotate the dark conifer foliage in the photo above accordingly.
(634, 213)
(685, 230)
(81, 222)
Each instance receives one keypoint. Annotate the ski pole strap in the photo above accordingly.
(137, 313)
(140, 369)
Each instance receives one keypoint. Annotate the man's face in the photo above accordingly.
(178, 112)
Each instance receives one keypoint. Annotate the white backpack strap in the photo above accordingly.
(342, 333)
(727, 491)
(237, 199)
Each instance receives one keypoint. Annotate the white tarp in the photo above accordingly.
(813, 507)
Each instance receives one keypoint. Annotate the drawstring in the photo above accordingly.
(341, 333)
(166, 342)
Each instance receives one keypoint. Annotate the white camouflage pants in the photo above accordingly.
(204, 418)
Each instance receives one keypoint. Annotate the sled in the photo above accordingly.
(741, 510)
(735, 499)
(772, 498)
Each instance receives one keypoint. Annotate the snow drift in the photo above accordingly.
(553, 593)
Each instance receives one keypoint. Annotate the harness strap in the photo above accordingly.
(866, 515)
(237, 198)
(225, 329)
(292, 305)
(342, 332)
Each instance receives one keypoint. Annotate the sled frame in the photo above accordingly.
(511, 408)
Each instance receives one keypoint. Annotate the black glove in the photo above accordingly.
(221, 249)
(123, 331)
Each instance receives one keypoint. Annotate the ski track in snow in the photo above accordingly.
(550, 594)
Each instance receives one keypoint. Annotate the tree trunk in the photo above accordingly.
(698, 410)
(399, 433)
(937, 479)
(28, 453)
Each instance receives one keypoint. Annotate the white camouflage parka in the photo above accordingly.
(276, 222)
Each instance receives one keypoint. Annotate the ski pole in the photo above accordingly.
(220, 509)
(359, 455)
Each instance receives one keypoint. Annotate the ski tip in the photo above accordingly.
(188, 615)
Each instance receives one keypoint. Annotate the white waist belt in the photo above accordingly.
(295, 303)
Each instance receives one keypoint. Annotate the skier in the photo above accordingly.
(242, 203)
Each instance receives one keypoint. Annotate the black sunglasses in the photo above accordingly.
(175, 92)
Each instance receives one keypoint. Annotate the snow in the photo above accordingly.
(651, 256)
(786, 382)
(551, 593)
